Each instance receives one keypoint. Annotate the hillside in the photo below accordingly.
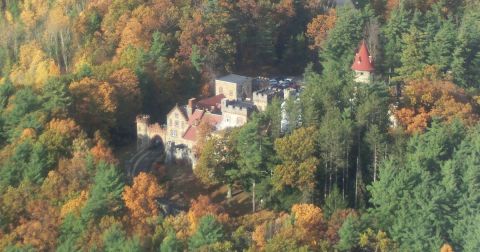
(381, 153)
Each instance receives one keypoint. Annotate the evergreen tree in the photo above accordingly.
(254, 155)
(114, 240)
(342, 40)
(441, 48)
(209, 232)
(71, 230)
(348, 234)
(106, 194)
(467, 53)
(409, 199)
(171, 243)
(56, 97)
(396, 26)
(414, 53)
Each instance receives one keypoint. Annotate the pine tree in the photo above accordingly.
(209, 232)
(170, 243)
(396, 26)
(114, 239)
(106, 193)
(441, 48)
(414, 54)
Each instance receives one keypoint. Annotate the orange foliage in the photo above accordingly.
(70, 178)
(141, 197)
(390, 6)
(40, 230)
(309, 223)
(201, 207)
(132, 36)
(286, 7)
(94, 103)
(318, 28)
(28, 133)
(259, 234)
(426, 99)
(101, 151)
(127, 90)
(446, 248)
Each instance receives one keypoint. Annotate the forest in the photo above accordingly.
(393, 165)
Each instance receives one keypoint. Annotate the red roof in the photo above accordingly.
(363, 60)
(200, 116)
(196, 117)
(191, 133)
(214, 101)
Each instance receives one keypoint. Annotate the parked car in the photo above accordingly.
(273, 82)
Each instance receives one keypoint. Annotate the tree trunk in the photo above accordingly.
(253, 196)
(375, 163)
(356, 183)
(64, 52)
(229, 191)
(325, 182)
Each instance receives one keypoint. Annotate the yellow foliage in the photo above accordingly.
(9, 17)
(34, 67)
(74, 205)
(33, 11)
(179, 223)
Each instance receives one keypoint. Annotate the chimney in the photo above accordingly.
(191, 106)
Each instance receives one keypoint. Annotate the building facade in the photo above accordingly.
(234, 87)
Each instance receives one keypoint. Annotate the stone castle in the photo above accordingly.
(236, 98)
(234, 102)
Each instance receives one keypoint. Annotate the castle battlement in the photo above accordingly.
(236, 107)
(267, 93)
(143, 119)
(155, 128)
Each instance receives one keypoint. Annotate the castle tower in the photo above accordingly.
(142, 131)
(363, 64)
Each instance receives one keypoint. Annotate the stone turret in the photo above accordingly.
(142, 122)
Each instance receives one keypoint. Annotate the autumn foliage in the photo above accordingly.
(426, 99)
(317, 29)
(141, 197)
(203, 206)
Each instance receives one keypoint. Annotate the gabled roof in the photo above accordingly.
(196, 116)
(182, 109)
(200, 116)
(363, 61)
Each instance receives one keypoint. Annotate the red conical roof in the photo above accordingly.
(363, 61)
